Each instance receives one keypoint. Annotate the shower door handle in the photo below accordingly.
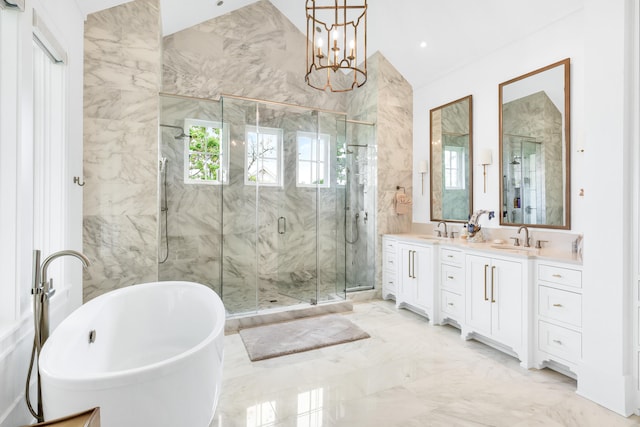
(282, 225)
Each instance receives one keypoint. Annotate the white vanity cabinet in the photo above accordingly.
(389, 267)
(415, 278)
(558, 315)
(452, 282)
(494, 301)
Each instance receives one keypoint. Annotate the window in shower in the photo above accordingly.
(454, 168)
(263, 158)
(312, 168)
(205, 153)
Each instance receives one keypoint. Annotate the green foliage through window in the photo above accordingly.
(205, 154)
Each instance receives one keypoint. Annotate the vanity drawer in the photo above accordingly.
(451, 256)
(563, 306)
(560, 342)
(452, 278)
(451, 304)
(560, 275)
(389, 245)
(389, 281)
(389, 263)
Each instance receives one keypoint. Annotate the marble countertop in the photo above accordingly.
(495, 247)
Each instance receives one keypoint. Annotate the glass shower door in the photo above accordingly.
(287, 241)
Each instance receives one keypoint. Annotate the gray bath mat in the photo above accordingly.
(278, 339)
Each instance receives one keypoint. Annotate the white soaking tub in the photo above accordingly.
(147, 355)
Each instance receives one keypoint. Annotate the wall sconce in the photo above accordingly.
(485, 160)
(422, 169)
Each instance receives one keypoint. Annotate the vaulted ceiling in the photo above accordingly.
(456, 32)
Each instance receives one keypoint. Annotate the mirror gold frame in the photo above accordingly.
(451, 125)
(534, 150)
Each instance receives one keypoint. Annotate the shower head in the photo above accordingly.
(180, 135)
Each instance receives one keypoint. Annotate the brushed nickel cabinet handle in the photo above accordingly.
(450, 303)
(557, 305)
(413, 265)
(450, 277)
(557, 342)
(493, 269)
(557, 276)
(485, 282)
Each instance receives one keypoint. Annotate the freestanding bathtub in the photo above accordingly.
(147, 355)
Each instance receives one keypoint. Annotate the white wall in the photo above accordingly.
(481, 78)
(65, 20)
(607, 374)
(597, 39)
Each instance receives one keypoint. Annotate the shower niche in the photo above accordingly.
(269, 204)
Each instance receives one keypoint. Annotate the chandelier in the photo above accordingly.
(336, 41)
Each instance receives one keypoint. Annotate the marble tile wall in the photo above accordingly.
(253, 52)
(193, 216)
(387, 100)
(122, 80)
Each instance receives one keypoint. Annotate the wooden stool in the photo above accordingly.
(90, 418)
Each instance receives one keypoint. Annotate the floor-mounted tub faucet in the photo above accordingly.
(42, 290)
(47, 290)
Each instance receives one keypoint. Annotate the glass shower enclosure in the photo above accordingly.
(259, 201)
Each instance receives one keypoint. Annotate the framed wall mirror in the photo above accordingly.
(534, 115)
(451, 158)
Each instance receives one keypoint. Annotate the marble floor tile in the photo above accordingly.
(409, 374)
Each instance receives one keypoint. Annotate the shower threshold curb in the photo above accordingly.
(234, 324)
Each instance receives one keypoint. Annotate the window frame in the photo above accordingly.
(316, 139)
(258, 130)
(223, 177)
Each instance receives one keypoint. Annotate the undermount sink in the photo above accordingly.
(521, 249)
(432, 237)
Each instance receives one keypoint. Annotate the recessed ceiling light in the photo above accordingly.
(423, 44)
(220, 3)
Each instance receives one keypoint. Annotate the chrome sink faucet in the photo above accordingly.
(526, 235)
(445, 229)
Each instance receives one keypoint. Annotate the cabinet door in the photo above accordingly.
(506, 297)
(424, 276)
(406, 269)
(478, 307)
